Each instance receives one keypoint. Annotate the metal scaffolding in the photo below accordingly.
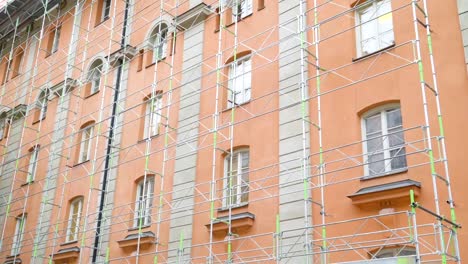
(114, 230)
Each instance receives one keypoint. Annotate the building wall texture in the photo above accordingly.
(178, 132)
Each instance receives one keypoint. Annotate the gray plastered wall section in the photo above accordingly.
(113, 171)
(463, 14)
(9, 166)
(186, 156)
(56, 155)
(291, 150)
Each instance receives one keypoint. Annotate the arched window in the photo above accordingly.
(94, 76)
(240, 81)
(86, 135)
(74, 215)
(32, 163)
(158, 42)
(18, 236)
(3, 125)
(143, 201)
(153, 110)
(236, 178)
(42, 101)
(384, 144)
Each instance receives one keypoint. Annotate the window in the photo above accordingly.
(85, 145)
(241, 9)
(104, 10)
(240, 81)
(18, 237)
(153, 116)
(17, 63)
(43, 100)
(74, 216)
(94, 76)
(374, 26)
(383, 141)
(32, 166)
(3, 127)
(143, 202)
(236, 178)
(158, 42)
(54, 39)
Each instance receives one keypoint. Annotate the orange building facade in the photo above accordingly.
(243, 131)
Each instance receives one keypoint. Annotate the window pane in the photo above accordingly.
(398, 158)
(375, 144)
(394, 118)
(373, 124)
(395, 137)
(386, 39)
(376, 163)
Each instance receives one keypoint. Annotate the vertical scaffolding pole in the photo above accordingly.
(302, 19)
(427, 128)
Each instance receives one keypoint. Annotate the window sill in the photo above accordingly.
(102, 22)
(227, 109)
(153, 63)
(49, 54)
(380, 175)
(27, 183)
(69, 243)
(148, 138)
(239, 20)
(373, 53)
(225, 208)
(137, 228)
(92, 94)
(39, 120)
(80, 163)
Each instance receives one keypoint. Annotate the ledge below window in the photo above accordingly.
(384, 192)
(13, 260)
(66, 255)
(240, 221)
(146, 239)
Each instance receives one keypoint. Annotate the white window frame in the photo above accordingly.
(95, 77)
(240, 181)
(244, 6)
(373, 4)
(240, 81)
(386, 149)
(18, 236)
(153, 111)
(2, 127)
(143, 201)
(105, 12)
(88, 131)
(72, 235)
(43, 101)
(32, 166)
(158, 41)
(56, 39)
